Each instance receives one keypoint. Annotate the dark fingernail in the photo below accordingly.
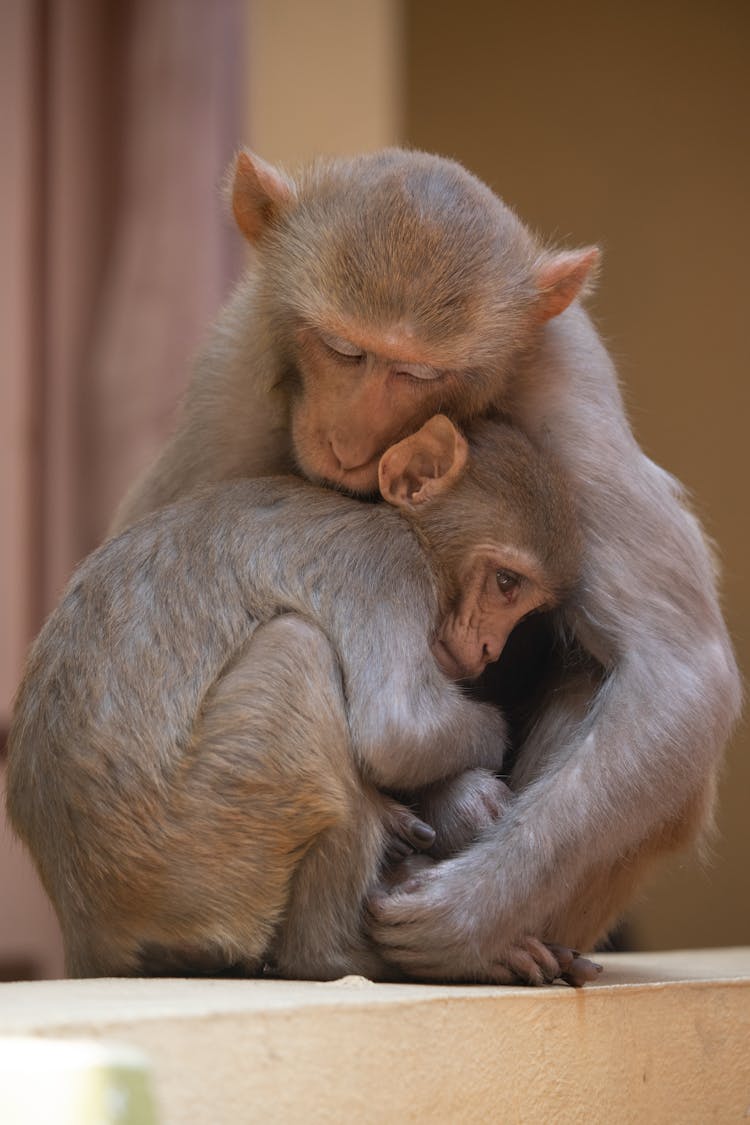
(423, 833)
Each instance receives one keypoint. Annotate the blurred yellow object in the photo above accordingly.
(73, 1082)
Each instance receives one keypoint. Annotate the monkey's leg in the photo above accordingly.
(299, 839)
(322, 934)
(255, 788)
(265, 817)
(577, 913)
(207, 886)
(281, 839)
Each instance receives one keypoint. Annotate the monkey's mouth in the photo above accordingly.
(451, 667)
(361, 481)
(357, 479)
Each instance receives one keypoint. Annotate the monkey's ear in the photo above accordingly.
(562, 277)
(259, 193)
(424, 465)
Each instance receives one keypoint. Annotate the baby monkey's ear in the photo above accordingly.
(424, 465)
(259, 193)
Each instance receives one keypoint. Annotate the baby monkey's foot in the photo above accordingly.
(406, 833)
(462, 807)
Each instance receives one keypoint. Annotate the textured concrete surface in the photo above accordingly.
(660, 1038)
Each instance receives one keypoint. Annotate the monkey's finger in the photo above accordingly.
(581, 972)
(414, 831)
(546, 957)
(574, 969)
(387, 916)
(562, 954)
(377, 904)
(421, 835)
(523, 967)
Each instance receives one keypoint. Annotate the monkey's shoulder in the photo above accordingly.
(265, 509)
(292, 533)
(272, 528)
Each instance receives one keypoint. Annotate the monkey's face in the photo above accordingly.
(476, 508)
(499, 585)
(403, 287)
(359, 394)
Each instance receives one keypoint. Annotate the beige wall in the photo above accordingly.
(626, 125)
(323, 77)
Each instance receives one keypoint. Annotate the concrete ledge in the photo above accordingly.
(660, 1038)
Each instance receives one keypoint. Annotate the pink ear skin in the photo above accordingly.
(423, 465)
(560, 278)
(259, 194)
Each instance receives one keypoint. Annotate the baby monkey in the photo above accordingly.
(191, 800)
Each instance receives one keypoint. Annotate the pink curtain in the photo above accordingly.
(116, 122)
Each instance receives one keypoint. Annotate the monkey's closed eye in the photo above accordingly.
(340, 347)
(418, 371)
(507, 582)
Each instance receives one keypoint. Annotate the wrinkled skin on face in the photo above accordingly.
(498, 589)
(356, 402)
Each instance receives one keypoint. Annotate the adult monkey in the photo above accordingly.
(389, 287)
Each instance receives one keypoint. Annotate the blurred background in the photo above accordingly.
(623, 125)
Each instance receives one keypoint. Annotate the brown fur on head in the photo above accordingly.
(405, 240)
(401, 238)
(508, 479)
(411, 261)
(499, 489)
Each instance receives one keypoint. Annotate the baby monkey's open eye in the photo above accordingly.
(508, 582)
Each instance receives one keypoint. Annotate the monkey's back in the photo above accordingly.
(116, 680)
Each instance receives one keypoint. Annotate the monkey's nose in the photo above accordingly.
(349, 459)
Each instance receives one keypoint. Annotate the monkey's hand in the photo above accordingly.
(432, 938)
(461, 807)
(405, 832)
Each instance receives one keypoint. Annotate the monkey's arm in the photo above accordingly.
(607, 787)
(442, 735)
(648, 610)
(410, 725)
